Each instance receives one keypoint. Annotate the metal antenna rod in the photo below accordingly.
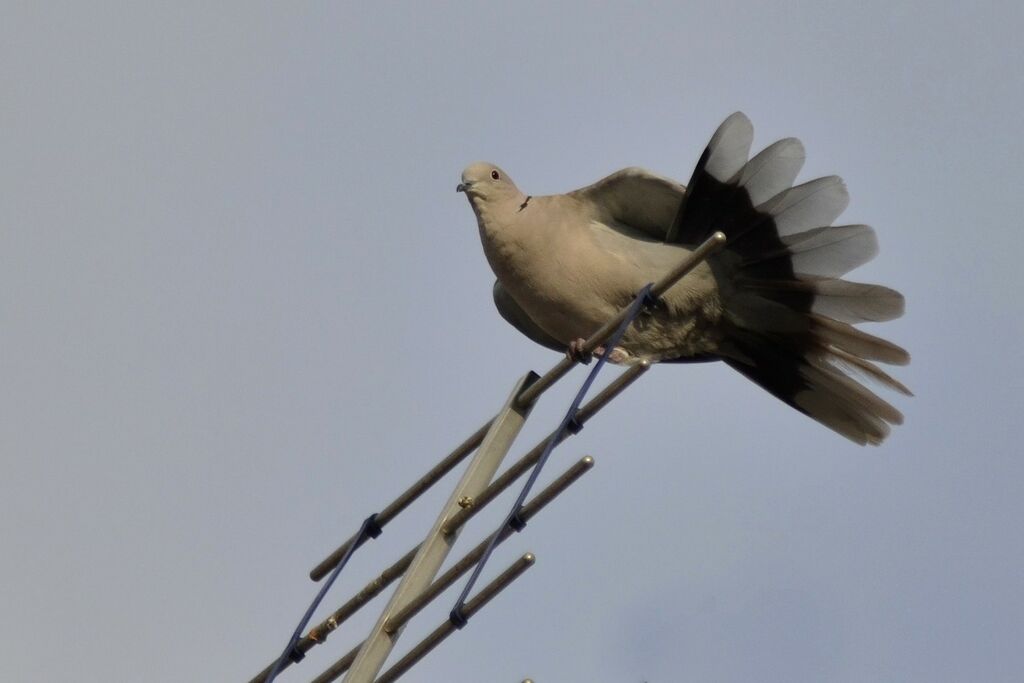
(437, 544)
(474, 605)
(408, 496)
(457, 570)
(466, 563)
(321, 631)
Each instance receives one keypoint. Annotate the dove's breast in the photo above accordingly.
(571, 272)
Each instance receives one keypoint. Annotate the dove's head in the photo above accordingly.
(487, 185)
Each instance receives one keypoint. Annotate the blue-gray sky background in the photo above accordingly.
(242, 306)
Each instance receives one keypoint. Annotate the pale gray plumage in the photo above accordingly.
(769, 305)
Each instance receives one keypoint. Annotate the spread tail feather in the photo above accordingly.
(787, 315)
(811, 380)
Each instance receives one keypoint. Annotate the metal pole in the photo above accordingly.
(473, 606)
(473, 556)
(436, 546)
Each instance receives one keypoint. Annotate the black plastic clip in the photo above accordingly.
(371, 528)
(516, 520)
(457, 618)
(574, 425)
(650, 303)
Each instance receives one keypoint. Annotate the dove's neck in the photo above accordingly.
(496, 216)
(498, 205)
(506, 232)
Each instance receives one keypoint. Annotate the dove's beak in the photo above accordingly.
(462, 187)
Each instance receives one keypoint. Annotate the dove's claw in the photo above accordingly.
(618, 356)
(576, 353)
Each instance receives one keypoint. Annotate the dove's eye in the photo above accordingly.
(494, 175)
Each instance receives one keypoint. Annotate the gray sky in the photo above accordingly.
(242, 306)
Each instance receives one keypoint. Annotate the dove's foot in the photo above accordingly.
(617, 356)
(575, 352)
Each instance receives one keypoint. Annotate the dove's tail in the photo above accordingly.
(787, 315)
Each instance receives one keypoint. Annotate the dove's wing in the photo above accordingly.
(636, 199)
(517, 318)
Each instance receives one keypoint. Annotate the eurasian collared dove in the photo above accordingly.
(771, 304)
